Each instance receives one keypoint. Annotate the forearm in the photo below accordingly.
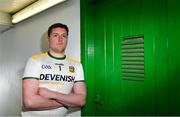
(70, 100)
(37, 102)
(75, 99)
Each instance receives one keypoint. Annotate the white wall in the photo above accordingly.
(27, 38)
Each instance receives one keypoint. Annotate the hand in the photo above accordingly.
(44, 92)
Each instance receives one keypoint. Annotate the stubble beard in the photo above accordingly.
(58, 51)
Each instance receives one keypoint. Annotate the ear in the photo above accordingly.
(48, 39)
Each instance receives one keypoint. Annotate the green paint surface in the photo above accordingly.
(104, 24)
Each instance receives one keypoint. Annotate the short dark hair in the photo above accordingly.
(57, 25)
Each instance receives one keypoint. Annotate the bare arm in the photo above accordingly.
(75, 99)
(31, 98)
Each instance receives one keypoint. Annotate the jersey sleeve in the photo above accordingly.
(80, 74)
(31, 70)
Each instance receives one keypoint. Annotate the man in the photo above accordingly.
(53, 82)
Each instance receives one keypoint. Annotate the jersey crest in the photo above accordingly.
(71, 69)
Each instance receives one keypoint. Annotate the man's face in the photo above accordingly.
(58, 40)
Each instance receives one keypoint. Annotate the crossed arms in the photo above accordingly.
(35, 98)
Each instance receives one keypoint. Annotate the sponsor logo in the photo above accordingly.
(57, 77)
(46, 67)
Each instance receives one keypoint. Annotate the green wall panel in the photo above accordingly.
(87, 54)
(174, 55)
(104, 24)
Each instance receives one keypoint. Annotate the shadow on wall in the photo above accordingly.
(11, 92)
(44, 42)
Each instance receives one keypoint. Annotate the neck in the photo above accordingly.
(56, 54)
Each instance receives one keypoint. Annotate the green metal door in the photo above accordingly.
(174, 55)
(105, 24)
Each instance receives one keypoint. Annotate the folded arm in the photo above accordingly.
(32, 100)
(75, 99)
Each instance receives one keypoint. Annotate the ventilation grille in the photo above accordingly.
(133, 58)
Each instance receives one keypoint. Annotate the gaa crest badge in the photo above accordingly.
(71, 69)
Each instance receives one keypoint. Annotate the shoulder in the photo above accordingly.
(72, 60)
(38, 56)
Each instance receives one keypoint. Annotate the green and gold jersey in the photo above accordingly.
(57, 74)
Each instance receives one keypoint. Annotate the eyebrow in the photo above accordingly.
(58, 34)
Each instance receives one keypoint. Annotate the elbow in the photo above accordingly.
(82, 103)
(27, 104)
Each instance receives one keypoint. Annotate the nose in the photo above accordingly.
(60, 38)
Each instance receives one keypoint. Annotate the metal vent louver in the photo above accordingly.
(132, 64)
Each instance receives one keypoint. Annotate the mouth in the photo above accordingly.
(59, 43)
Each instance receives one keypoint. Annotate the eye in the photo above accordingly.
(55, 35)
(64, 36)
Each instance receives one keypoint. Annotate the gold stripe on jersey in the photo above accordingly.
(52, 83)
(71, 59)
(39, 56)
